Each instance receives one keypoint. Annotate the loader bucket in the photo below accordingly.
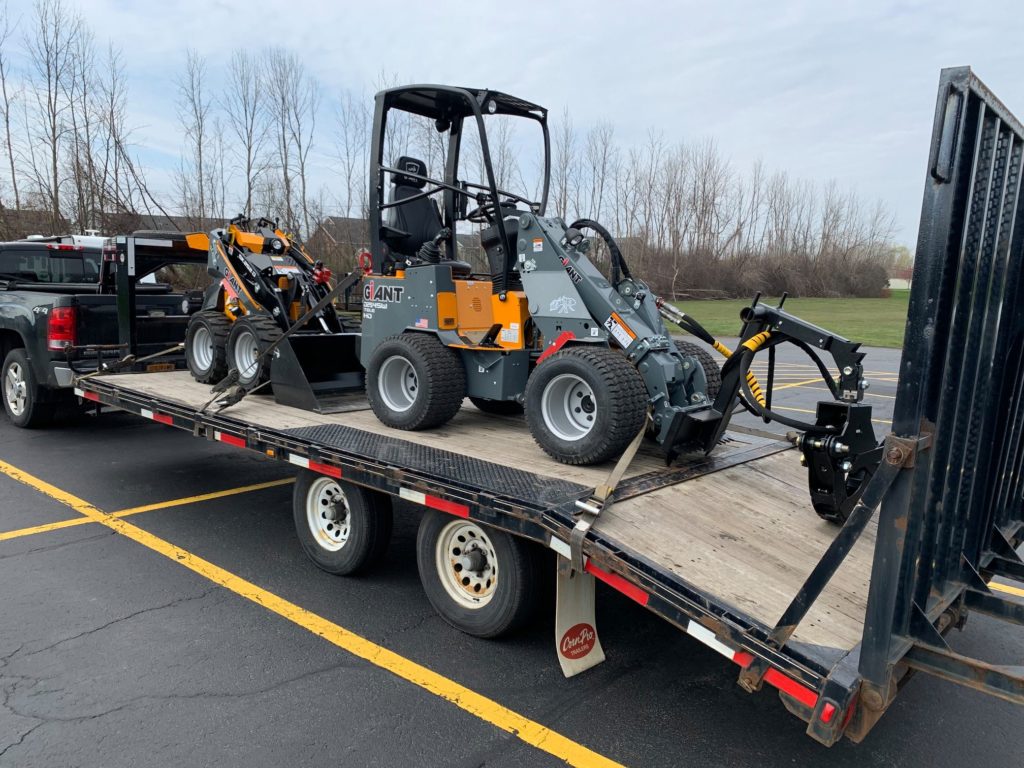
(317, 372)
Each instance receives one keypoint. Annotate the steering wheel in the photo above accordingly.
(482, 214)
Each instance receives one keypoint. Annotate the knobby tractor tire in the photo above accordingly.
(415, 382)
(585, 404)
(497, 407)
(496, 594)
(343, 528)
(707, 361)
(25, 402)
(249, 338)
(206, 346)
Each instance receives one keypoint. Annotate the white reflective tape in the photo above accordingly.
(560, 547)
(410, 495)
(706, 636)
(146, 414)
(79, 392)
(299, 461)
(153, 243)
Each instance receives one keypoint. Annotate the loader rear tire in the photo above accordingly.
(206, 346)
(343, 528)
(585, 404)
(248, 340)
(712, 373)
(415, 382)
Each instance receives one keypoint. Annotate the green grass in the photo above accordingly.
(873, 322)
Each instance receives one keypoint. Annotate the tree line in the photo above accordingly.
(263, 138)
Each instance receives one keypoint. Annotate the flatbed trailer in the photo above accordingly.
(727, 547)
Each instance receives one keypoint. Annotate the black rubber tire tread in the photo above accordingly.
(267, 331)
(39, 410)
(439, 373)
(514, 602)
(712, 371)
(498, 407)
(622, 404)
(372, 521)
(220, 328)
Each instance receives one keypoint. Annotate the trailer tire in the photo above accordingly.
(347, 546)
(248, 339)
(612, 404)
(415, 382)
(498, 407)
(712, 372)
(489, 602)
(206, 346)
(24, 401)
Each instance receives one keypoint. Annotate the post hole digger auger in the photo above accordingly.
(269, 318)
(588, 357)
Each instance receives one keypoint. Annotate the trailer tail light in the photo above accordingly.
(57, 247)
(61, 329)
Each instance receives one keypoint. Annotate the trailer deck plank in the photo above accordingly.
(746, 534)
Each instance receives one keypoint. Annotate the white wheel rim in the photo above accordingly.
(327, 514)
(466, 563)
(202, 347)
(246, 350)
(568, 407)
(397, 384)
(15, 389)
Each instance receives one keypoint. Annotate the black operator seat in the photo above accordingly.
(416, 220)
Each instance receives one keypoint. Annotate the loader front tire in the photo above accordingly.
(249, 339)
(206, 346)
(415, 382)
(585, 404)
(712, 373)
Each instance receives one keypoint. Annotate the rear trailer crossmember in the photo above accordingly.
(800, 673)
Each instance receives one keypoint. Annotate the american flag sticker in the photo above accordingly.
(422, 323)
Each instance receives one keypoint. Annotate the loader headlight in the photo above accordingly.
(276, 245)
(492, 107)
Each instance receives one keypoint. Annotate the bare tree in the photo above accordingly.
(353, 151)
(194, 110)
(8, 94)
(245, 105)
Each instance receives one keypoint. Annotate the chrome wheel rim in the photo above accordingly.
(466, 563)
(246, 352)
(397, 384)
(202, 348)
(568, 407)
(327, 514)
(16, 389)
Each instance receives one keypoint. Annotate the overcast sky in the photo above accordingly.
(824, 89)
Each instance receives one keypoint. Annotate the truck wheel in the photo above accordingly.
(414, 382)
(712, 373)
(497, 407)
(23, 398)
(584, 405)
(246, 342)
(480, 580)
(342, 527)
(206, 346)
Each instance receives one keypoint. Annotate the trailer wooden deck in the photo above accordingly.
(745, 533)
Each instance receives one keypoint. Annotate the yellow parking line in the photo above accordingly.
(1007, 588)
(17, 534)
(796, 384)
(804, 410)
(486, 709)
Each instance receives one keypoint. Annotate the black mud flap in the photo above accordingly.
(318, 372)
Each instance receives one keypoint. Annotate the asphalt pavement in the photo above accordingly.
(114, 654)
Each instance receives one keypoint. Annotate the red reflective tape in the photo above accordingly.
(451, 507)
(163, 418)
(618, 583)
(91, 396)
(232, 440)
(828, 712)
(325, 469)
(801, 693)
(743, 658)
(561, 341)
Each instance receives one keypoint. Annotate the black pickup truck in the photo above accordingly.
(58, 316)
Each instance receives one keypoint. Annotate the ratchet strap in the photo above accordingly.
(588, 511)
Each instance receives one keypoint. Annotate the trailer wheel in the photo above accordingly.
(24, 401)
(249, 337)
(206, 346)
(342, 527)
(480, 580)
(415, 382)
(584, 405)
(712, 373)
(498, 407)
